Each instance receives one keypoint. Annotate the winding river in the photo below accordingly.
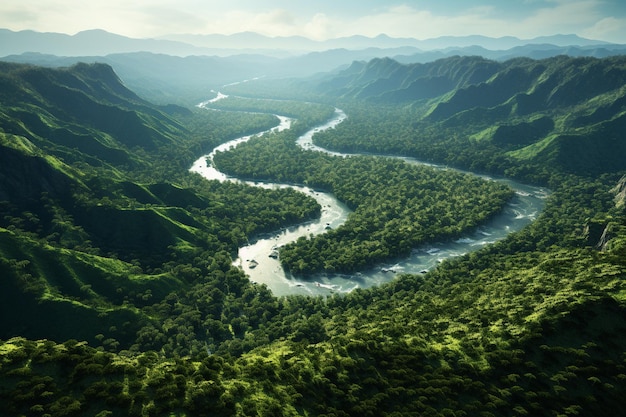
(259, 260)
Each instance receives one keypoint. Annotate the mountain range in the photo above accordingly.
(185, 69)
(552, 110)
(100, 42)
(118, 291)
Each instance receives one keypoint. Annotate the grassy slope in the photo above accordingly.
(47, 283)
(80, 237)
(529, 326)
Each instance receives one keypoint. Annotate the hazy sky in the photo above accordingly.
(322, 19)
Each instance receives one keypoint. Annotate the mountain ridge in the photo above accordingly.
(548, 111)
(122, 299)
(100, 42)
(189, 80)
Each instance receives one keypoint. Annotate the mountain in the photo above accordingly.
(551, 111)
(188, 80)
(99, 42)
(119, 295)
(530, 50)
(167, 78)
(184, 69)
(388, 77)
(117, 120)
(90, 42)
(57, 129)
(94, 224)
(301, 45)
(51, 122)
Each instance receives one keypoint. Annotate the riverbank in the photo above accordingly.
(260, 262)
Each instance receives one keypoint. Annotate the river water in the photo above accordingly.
(259, 260)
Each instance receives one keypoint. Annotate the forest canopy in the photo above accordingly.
(116, 263)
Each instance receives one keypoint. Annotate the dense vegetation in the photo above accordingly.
(521, 117)
(119, 295)
(397, 206)
(84, 235)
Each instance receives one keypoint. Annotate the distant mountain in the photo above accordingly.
(298, 43)
(184, 69)
(385, 79)
(90, 42)
(187, 80)
(99, 42)
(531, 50)
(165, 78)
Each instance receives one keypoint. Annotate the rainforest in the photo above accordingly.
(119, 290)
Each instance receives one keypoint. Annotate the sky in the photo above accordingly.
(323, 19)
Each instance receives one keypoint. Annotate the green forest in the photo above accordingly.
(118, 291)
(397, 206)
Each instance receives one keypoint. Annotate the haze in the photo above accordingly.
(320, 20)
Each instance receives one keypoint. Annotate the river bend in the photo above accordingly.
(259, 260)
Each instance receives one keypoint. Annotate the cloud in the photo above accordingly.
(406, 21)
(319, 27)
(276, 22)
(610, 29)
(584, 18)
(562, 14)
(547, 17)
(323, 20)
(14, 15)
(159, 20)
(68, 16)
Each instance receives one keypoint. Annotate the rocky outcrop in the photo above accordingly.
(600, 233)
(605, 238)
(620, 193)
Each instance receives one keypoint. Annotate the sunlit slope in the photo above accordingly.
(563, 112)
(83, 112)
(531, 325)
(58, 127)
(91, 232)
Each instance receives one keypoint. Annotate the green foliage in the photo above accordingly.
(307, 114)
(81, 238)
(397, 206)
(167, 325)
(520, 118)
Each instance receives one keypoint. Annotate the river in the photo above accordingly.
(259, 260)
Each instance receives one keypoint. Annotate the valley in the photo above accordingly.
(260, 260)
(121, 289)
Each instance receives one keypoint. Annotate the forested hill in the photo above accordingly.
(53, 120)
(561, 80)
(118, 294)
(84, 106)
(98, 214)
(560, 112)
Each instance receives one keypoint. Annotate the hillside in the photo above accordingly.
(120, 296)
(79, 234)
(561, 112)
(86, 108)
(185, 69)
